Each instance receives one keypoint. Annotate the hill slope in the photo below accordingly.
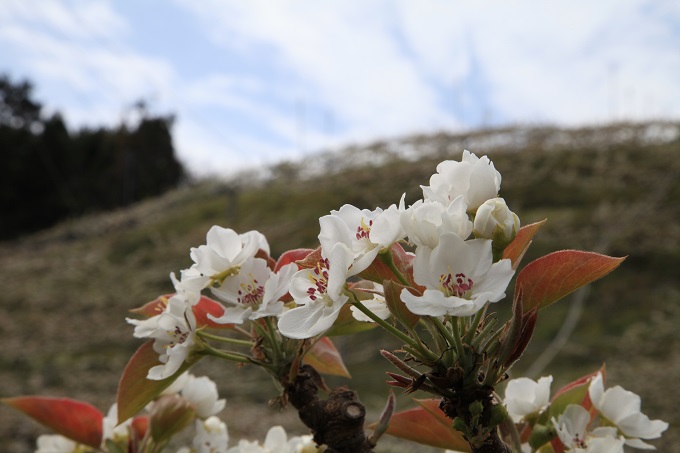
(66, 291)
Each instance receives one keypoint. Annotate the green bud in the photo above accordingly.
(541, 435)
(498, 415)
(476, 408)
(460, 425)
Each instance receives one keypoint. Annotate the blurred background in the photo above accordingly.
(129, 128)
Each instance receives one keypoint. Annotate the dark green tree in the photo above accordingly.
(53, 174)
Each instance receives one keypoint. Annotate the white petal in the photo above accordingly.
(232, 315)
(276, 439)
(310, 320)
(333, 231)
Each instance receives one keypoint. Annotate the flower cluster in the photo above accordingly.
(455, 228)
(426, 274)
(582, 417)
(455, 267)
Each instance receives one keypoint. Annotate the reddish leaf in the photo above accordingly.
(553, 276)
(519, 246)
(76, 420)
(346, 324)
(207, 306)
(170, 415)
(582, 382)
(427, 425)
(153, 308)
(140, 426)
(204, 306)
(265, 256)
(326, 359)
(311, 260)
(378, 271)
(136, 391)
(292, 256)
(397, 306)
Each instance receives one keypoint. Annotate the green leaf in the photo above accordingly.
(326, 359)
(427, 425)
(518, 247)
(551, 277)
(135, 391)
(77, 420)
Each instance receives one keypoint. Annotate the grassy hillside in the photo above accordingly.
(65, 292)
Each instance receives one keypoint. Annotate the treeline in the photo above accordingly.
(51, 173)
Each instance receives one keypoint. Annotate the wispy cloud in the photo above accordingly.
(268, 80)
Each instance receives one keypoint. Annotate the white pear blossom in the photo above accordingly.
(376, 304)
(319, 291)
(474, 178)
(524, 396)
(211, 436)
(459, 275)
(494, 220)
(174, 335)
(177, 385)
(112, 430)
(303, 444)
(55, 443)
(426, 220)
(572, 429)
(225, 251)
(621, 408)
(255, 291)
(277, 441)
(201, 392)
(366, 233)
(190, 284)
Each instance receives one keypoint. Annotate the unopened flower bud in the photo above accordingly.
(495, 221)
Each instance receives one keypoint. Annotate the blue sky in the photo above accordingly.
(255, 82)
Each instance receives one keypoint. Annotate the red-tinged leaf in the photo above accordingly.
(518, 247)
(204, 306)
(135, 391)
(326, 359)
(170, 415)
(427, 425)
(528, 325)
(378, 271)
(556, 446)
(311, 260)
(153, 308)
(553, 276)
(140, 426)
(346, 324)
(207, 306)
(384, 420)
(76, 420)
(292, 256)
(271, 263)
(582, 380)
(397, 306)
(575, 392)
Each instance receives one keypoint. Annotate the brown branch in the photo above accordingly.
(337, 422)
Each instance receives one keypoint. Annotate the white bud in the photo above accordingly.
(495, 221)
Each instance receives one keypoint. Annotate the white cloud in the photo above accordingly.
(95, 81)
(302, 75)
(344, 57)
